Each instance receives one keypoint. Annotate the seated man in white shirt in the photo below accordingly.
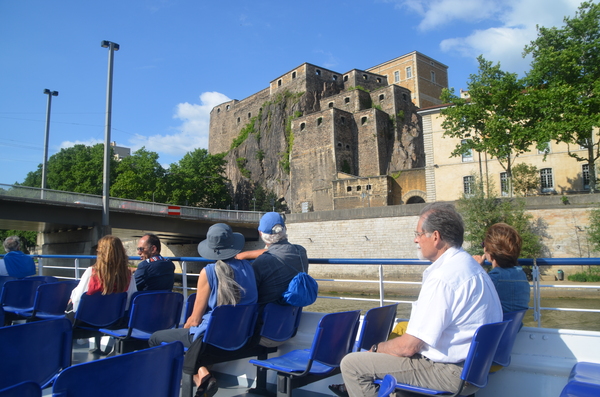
(456, 297)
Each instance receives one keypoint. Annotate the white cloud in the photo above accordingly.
(190, 135)
(89, 142)
(510, 27)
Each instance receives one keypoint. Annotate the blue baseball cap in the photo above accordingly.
(268, 221)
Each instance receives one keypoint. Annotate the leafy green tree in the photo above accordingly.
(489, 121)
(28, 239)
(563, 98)
(594, 229)
(265, 200)
(75, 169)
(480, 211)
(526, 179)
(197, 180)
(140, 177)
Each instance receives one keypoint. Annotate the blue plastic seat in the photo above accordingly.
(507, 342)
(477, 365)
(147, 373)
(34, 351)
(580, 389)
(4, 279)
(150, 312)
(334, 338)
(279, 323)
(50, 301)
(387, 385)
(376, 326)
(98, 311)
(46, 279)
(23, 389)
(18, 295)
(585, 372)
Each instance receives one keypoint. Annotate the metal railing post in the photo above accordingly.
(184, 278)
(76, 268)
(381, 290)
(40, 267)
(537, 314)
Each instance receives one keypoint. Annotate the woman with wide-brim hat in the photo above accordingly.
(227, 281)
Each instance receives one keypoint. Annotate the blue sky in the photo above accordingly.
(180, 58)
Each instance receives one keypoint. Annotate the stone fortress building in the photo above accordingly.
(323, 140)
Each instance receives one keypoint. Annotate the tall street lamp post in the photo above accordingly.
(45, 162)
(112, 47)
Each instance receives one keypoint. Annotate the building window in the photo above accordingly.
(468, 155)
(404, 97)
(238, 120)
(545, 149)
(218, 110)
(363, 120)
(547, 183)
(348, 147)
(504, 183)
(347, 100)
(349, 188)
(342, 120)
(249, 115)
(585, 173)
(365, 77)
(293, 75)
(320, 121)
(302, 126)
(330, 104)
(334, 77)
(346, 78)
(469, 185)
(433, 77)
(409, 72)
(339, 144)
(396, 76)
(381, 97)
(368, 187)
(318, 72)
(358, 188)
(279, 83)
(379, 79)
(227, 108)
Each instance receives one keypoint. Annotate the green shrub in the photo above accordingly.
(591, 275)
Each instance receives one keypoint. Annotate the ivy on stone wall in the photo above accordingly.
(244, 132)
(241, 163)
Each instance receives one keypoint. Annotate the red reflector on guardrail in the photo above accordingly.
(174, 210)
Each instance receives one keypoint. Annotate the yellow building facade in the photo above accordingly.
(448, 178)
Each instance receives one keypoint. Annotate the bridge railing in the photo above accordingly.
(95, 201)
(381, 281)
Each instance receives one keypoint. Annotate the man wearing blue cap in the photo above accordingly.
(277, 266)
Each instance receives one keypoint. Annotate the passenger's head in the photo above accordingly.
(272, 228)
(148, 246)
(12, 243)
(439, 228)
(503, 244)
(112, 265)
(221, 243)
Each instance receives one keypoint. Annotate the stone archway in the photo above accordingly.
(414, 197)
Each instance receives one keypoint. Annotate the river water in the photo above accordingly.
(549, 318)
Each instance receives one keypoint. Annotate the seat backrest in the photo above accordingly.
(46, 279)
(101, 310)
(229, 327)
(280, 322)
(334, 337)
(376, 326)
(52, 298)
(23, 389)
(150, 372)
(505, 346)
(4, 279)
(20, 293)
(34, 351)
(481, 353)
(155, 311)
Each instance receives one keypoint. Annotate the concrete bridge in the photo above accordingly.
(71, 223)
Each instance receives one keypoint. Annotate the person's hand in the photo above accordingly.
(479, 258)
(191, 323)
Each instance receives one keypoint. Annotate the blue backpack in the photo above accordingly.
(302, 289)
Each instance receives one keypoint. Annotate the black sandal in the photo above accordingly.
(208, 387)
(339, 390)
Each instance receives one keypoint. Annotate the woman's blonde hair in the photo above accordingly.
(112, 265)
